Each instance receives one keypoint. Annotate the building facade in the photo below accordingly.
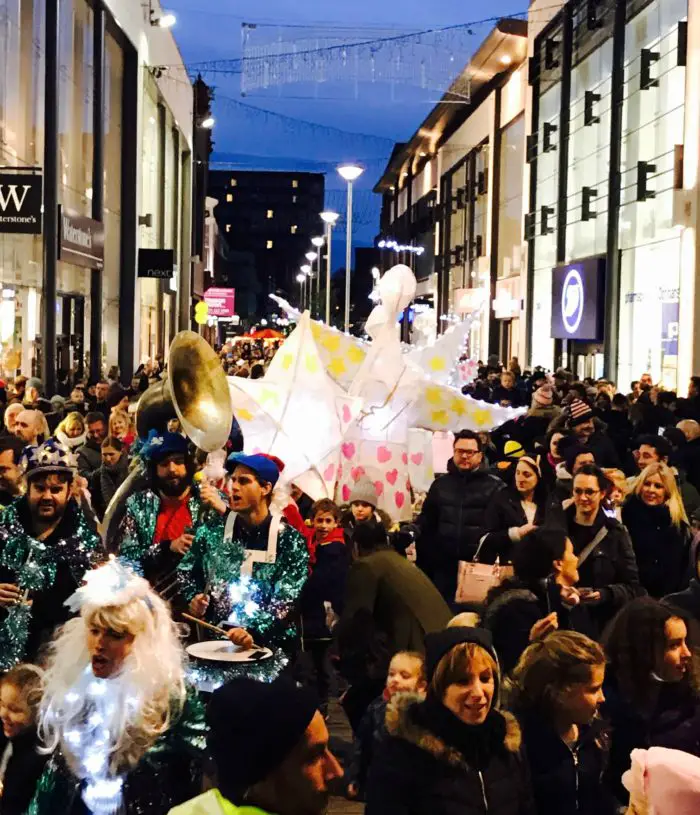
(266, 221)
(83, 107)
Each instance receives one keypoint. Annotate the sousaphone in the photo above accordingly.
(196, 392)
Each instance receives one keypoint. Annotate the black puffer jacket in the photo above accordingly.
(416, 772)
(453, 517)
(504, 512)
(660, 547)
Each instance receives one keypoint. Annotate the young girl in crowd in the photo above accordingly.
(651, 691)
(406, 675)
(122, 427)
(21, 763)
(454, 752)
(558, 688)
(323, 595)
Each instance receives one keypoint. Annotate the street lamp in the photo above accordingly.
(329, 219)
(349, 173)
(300, 280)
(207, 123)
(306, 269)
(166, 19)
(317, 243)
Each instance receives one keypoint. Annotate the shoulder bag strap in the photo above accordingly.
(592, 545)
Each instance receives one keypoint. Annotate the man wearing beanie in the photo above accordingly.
(270, 748)
(580, 422)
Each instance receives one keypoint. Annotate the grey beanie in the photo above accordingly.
(35, 382)
(364, 491)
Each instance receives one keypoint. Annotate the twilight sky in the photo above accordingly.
(341, 120)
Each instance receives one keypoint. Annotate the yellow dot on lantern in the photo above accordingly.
(433, 396)
(481, 417)
(311, 363)
(331, 342)
(244, 415)
(440, 417)
(336, 366)
(356, 354)
(287, 360)
(438, 364)
(457, 406)
(268, 396)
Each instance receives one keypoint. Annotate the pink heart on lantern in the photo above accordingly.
(391, 476)
(417, 458)
(329, 472)
(404, 458)
(383, 455)
(346, 493)
(356, 473)
(379, 487)
(348, 449)
(347, 414)
(399, 499)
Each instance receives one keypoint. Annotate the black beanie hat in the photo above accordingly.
(254, 726)
(441, 642)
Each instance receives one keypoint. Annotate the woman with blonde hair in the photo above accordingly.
(71, 431)
(125, 733)
(557, 690)
(659, 529)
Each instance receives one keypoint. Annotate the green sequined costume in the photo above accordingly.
(50, 571)
(169, 773)
(135, 540)
(211, 566)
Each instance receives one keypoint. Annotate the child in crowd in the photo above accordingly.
(21, 764)
(363, 506)
(323, 595)
(406, 675)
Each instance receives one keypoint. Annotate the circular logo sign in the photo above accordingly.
(572, 301)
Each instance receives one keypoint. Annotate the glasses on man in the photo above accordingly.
(466, 453)
(587, 491)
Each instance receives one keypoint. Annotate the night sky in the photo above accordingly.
(331, 113)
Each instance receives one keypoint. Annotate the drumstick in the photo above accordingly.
(215, 628)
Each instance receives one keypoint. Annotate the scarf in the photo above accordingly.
(476, 743)
(71, 444)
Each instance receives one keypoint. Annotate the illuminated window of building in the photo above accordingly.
(294, 199)
(229, 197)
(270, 213)
(270, 244)
(228, 227)
(234, 182)
(295, 183)
(294, 230)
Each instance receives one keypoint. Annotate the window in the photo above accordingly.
(294, 199)
(228, 227)
(229, 197)
(234, 182)
(295, 184)
(270, 214)
(270, 244)
(293, 230)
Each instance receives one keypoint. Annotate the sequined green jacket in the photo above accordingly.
(169, 773)
(49, 571)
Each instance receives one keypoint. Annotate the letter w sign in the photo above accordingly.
(20, 203)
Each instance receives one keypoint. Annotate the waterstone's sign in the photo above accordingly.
(20, 203)
(82, 240)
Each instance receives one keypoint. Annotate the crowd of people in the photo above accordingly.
(526, 646)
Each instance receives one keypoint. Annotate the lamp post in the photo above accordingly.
(311, 257)
(300, 280)
(306, 269)
(349, 173)
(329, 219)
(317, 244)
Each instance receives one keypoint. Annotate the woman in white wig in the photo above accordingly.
(126, 733)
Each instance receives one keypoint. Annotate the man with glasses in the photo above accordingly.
(452, 520)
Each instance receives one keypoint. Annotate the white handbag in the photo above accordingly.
(475, 580)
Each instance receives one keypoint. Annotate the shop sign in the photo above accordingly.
(156, 264)
(669, 328)
(82, 240)
(578, 295)
(20, 203)
(468, 300)
(221, 302)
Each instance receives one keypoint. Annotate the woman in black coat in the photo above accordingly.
(453, 753)
(538, 599)
(657, 523)
(558, 688)
(515, 512)
(105, 481)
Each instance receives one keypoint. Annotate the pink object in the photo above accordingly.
(383, 455)
(379, 487)
(404, 458)
(346, 493)
(417, 459)
(356, 473)
(348, 449)
(399, 499)
(663, 782)
(329, 472)
(347, 414)
(391, 476)
(221, 302)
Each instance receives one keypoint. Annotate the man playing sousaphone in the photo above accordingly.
(46, 546)
(252, 578)
(163, 521)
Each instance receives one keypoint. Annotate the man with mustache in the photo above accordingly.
(46, 546)
(163, 521)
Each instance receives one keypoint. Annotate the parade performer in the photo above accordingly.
(253, 577)
(46, 545)
(163, 521)
(126, 734)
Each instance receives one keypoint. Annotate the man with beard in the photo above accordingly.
(253, 576)
(10, 470)
(163, 521)
(46, 546)
(30, 427)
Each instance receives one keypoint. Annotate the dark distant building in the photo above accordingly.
(266, 221)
